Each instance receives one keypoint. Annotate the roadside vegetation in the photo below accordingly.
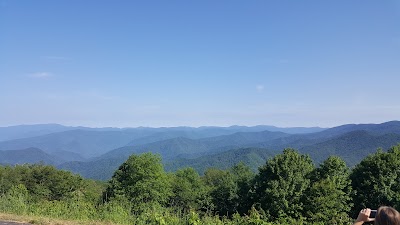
(287, 189)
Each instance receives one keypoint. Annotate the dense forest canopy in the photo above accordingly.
(287, 189)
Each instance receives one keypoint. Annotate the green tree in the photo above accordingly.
(91, 190)
(376, 180)
(281, 182)
(45, 182)
(223, 190)
(188, 190)
(142, 180)
(328, 200)
(243, 178)
(8, 178)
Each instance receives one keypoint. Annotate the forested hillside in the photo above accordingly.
(104, 149)
(29, 155)
(252, 157)
(287, 189)
(93, 142)
(224, 151)
(352, 146)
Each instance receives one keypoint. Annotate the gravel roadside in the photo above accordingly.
(13, 223)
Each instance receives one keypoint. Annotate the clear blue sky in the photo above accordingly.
(195, 63)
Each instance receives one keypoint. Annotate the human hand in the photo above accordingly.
(363, 216)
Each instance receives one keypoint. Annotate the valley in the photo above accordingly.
(97, 152)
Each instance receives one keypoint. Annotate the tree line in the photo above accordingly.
(287, 189)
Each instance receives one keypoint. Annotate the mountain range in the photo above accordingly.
(97, 152)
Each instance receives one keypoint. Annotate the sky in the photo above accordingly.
(199, 63)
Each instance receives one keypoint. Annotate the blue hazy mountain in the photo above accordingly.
(35, 155)
(92, 142)
(86, 143)
(383, 128)
(26, 131)
(352, 143)
(351, 146)
(186, 147)
(29, 155)
(97, 152)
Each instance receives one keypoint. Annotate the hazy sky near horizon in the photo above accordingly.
(199, 63)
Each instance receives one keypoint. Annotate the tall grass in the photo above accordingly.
(17, 201)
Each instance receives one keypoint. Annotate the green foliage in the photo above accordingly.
(15, 200)
(43, 182)
(9, 176)
(91, 190)
(376, 180)
(189, 190)
(116, 211)
(142, 180)
(281, 183)
(328, 200)
(288, 190)
(326, 203)
(253, 157)
(244, 179)
(255, 217)
(223, 190)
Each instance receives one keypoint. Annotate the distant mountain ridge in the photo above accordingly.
(92, 142)
(29, 155)
(26, 131)
(351, 146)
(185, 147)
(105, 149)
(349, 142)
(83, 142)
(382, 128)
(253, 157)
